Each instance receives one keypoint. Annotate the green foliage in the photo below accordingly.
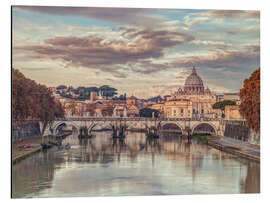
(221, 105)
(146, 112)
(92, 89)
(60, 87)
(155, 99)
(107, 91)
(83, 93)
(203, 138)
(121, 97)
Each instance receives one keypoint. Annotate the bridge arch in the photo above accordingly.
(67, 123)
(204, 127)
(97, 126)
(171, 126)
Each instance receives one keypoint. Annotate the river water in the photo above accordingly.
(103, 167)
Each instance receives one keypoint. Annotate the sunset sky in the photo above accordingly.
(143, 52)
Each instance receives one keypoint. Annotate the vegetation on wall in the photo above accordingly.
(147, 112)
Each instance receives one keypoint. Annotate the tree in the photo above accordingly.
(250, 100)
(32, 101)
(221, 105)
(60, 87)
(108, 91)
(147, 112)
(155, 99)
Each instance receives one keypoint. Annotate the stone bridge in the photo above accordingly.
(215, 126)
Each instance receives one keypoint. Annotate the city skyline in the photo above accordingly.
(143, 52)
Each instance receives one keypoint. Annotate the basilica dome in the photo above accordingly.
(193, 79)
(194, 83)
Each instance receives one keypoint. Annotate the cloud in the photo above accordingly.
(106, 54)
(145, 45)
(233, 13)
(253, 31)
(131, 16)
(147, 67)
(213, 45)
(37, 69)
(163, 89)
(221, 59)
(217, 18)
(37, 28)
(225, 60)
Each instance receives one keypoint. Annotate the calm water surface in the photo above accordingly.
(103, 167)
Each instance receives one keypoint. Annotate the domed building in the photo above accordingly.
(194, 84)
(193, 101)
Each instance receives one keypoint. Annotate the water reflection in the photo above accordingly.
(103, 166)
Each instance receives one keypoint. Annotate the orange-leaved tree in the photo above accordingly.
(250, 100)
(32, 101)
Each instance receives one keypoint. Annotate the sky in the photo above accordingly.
(141, 52)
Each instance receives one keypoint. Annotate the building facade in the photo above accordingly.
(232, 112)
(193, 101)
(233, 97)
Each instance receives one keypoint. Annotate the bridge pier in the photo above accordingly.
(152, 132)
(83, 133)
(118, 130)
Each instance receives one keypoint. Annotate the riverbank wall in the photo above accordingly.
(25, 154)
(27, 131)
(238, 130)
(240, 149)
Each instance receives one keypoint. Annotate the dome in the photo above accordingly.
(194, 84)
(193, 79)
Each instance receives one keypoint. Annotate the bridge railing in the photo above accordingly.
(140, 119)
(132, 119)
(236, 122)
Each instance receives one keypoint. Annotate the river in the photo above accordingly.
(103, 167)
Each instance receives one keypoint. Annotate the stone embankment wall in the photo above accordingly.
(28, 131)
(237, 130)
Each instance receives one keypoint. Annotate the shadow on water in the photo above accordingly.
(138, 163)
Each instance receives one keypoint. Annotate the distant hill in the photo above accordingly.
(83, 93)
